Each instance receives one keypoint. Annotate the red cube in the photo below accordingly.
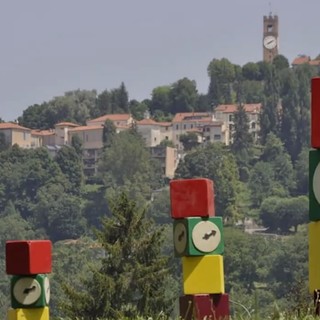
(28, 257)
(315, 113)
(192, 198)
(221, 307)
(196, 307)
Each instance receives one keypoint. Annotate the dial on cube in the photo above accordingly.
(314, 185)
(198, 236)
(30, 291)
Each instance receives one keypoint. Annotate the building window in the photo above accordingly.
(208, 129)
(217, 137)
(24, 136)
(167, 138)
(155, 139)
(230, 127)
(177, 127)
(87, 138)
(253, 125)
(167, 128)
(191, 126)
(184, 126)
(230, 117)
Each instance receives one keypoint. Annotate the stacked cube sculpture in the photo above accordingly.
(29, 262)
(314, 195)
(198, 240)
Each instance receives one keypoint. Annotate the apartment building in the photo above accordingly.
(16, 134)
(154, 132)
(226, 112)
(216, 131)
(92, 144)
(121, 121)
(183, 123)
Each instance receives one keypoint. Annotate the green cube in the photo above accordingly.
(198, 236)
(30, 291)
(314, 185)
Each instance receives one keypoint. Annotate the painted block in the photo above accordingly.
(315, 113)
(28, 257)
(192, 198)
(314, 185)
(221, 306)
(198, 236)
(30, 291)
(314, 256)
(203, 275)
(205, 306)
(196, 307)
(28, 314)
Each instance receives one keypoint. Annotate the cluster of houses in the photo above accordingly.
(216, 126)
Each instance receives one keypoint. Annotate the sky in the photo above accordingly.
(50, 47)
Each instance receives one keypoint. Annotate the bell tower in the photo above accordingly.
(270, 37)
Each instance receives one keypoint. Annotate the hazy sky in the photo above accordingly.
(49, 47)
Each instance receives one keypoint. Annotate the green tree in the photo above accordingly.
(270, 114)
(242, 139)
(222, 75)
(284, 213)
(189, 140)
(128, 163)
(280, 62)
(302, 171)
(160, 99)
(216, 163)
(70, 164)
(4, 145)
(183, 96)
(108, 134)
(119, 99)
(138, 109)
(133, 275)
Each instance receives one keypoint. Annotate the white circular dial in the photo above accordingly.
(46, 287)
(316, 183)
(206, 236)
(27, 291)
(180, 237)
(270, 42)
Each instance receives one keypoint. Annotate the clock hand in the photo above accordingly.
(208, 235)
(180, 236)
(28, 290)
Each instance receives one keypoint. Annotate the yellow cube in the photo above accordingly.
(28, 314)
(203, 274)
(314, 256)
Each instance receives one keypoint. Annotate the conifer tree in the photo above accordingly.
(133, 275)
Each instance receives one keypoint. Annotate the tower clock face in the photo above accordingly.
(27, 290)
(206, 236)
(180, 237)
(270, 42)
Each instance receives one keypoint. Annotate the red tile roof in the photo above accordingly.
(66, 124)
(232, 108)
(86, 128)
(165, 124)
(189, 116)
(301, 60)
(11, 125)
(42, 132)
(314, 62)
(112, 117)
(147, 122)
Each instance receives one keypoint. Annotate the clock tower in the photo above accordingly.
(270, 37)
